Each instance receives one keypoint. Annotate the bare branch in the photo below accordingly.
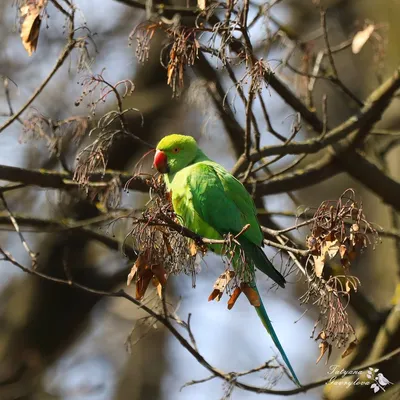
(71, 44)
(228, 377)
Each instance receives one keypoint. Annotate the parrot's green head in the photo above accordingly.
(175, 152)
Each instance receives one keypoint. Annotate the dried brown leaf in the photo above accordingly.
(158, 286)
(131, 275)
(144, 273)
(319, 263)
(220, 285)
(321, 336)
(324, 346)
(193, 248)
(30, 14)
(143, 283)
(201, 4)
(330, 248)
(160, 273)
(170, 72)
(343, 251)
(355, 228)
(350, 348)
(352, 283)
(234, 297)
(223, 280)
(215, 294)
(159, 290)
(361, 38)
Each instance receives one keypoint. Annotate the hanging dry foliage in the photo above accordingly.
(31, 14)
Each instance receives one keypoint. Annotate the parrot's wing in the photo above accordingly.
(222, 201)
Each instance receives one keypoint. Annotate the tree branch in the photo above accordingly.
(374, 107)
(314, 173)
(63, 180)
(60, 61)
(231, 378)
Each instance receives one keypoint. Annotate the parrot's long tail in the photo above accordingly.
(262, 313)
(261, 261)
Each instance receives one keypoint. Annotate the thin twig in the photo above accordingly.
(328, 47)
(14, 222)
(230, 378)
(60, 61)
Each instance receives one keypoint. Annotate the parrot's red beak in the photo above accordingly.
(161, 162)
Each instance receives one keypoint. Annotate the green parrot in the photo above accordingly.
(211, 202)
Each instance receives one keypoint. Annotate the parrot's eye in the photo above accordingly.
(176, 150)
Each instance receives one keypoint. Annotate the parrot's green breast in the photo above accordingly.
(182, 201)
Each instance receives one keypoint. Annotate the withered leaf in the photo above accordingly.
(319, 263)
(234, 297)
(350, 348)
(143, 283)
(192, 248)
(361, 37)
(131, 275)
(158, 286)
(330, 236)
(355, 228)
(215, 294)
(220, 285)
(160, 273)
(317, 232)
(224, 279)
(30, 14)
(324, 346)
(321, 335)
(201, 4)
(352, 283)
(170, 72)
(195, 248)
(342, 251)
(330, 248)
(344, 256)
(159, 290)
(139, 266)
(144, 272)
